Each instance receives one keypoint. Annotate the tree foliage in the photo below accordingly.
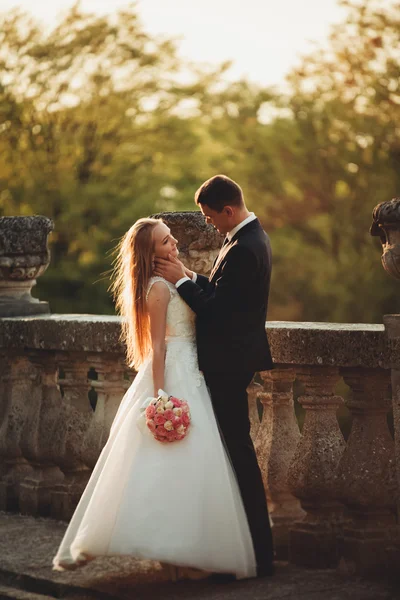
(344, 159)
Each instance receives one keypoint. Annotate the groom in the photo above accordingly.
(231, 308)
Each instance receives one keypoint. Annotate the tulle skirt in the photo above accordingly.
(178, 503)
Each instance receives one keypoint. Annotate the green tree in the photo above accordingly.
(340, 157)
(92, 134)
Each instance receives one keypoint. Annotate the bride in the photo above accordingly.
(177, 503)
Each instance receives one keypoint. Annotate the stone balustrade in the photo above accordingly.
(333, 501)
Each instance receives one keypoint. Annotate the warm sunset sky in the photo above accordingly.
(263, 37)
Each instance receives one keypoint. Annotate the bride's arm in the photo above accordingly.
(157, 304)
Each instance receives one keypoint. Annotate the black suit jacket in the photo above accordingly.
(231, 306)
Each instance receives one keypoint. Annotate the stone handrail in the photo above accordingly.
(333, 501)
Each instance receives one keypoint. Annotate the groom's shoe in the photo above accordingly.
(266, 571)
(222, 578)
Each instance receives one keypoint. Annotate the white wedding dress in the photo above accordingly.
(177, 503)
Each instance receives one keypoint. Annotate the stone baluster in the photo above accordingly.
(110, 387)
(39, 439)
(19, 389)
(253, 392)
(74, 420)
(278, 437)
(311, 476)
(366, 474)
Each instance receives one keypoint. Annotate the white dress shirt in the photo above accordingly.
(229, 235)
(234, 231)
(186, 278)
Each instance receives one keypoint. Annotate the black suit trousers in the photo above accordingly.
(229, 397)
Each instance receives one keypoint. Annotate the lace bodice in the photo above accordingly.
(180, 318)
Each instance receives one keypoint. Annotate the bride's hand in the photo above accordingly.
(172, 269)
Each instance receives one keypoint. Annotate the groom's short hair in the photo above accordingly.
(218, 192)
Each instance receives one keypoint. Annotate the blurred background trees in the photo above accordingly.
(101, 124)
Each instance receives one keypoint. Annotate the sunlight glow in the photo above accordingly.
(263, 38)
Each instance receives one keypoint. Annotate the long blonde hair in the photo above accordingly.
(133, 268)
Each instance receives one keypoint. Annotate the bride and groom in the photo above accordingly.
(198, 502)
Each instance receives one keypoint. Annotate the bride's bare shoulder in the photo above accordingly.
(158, 290)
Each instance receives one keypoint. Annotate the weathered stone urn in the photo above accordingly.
(198, 242)
(24, 256)
(386, 225)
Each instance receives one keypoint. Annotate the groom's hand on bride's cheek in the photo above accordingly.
(172, 270)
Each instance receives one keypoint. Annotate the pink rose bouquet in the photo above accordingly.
(168, 418)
